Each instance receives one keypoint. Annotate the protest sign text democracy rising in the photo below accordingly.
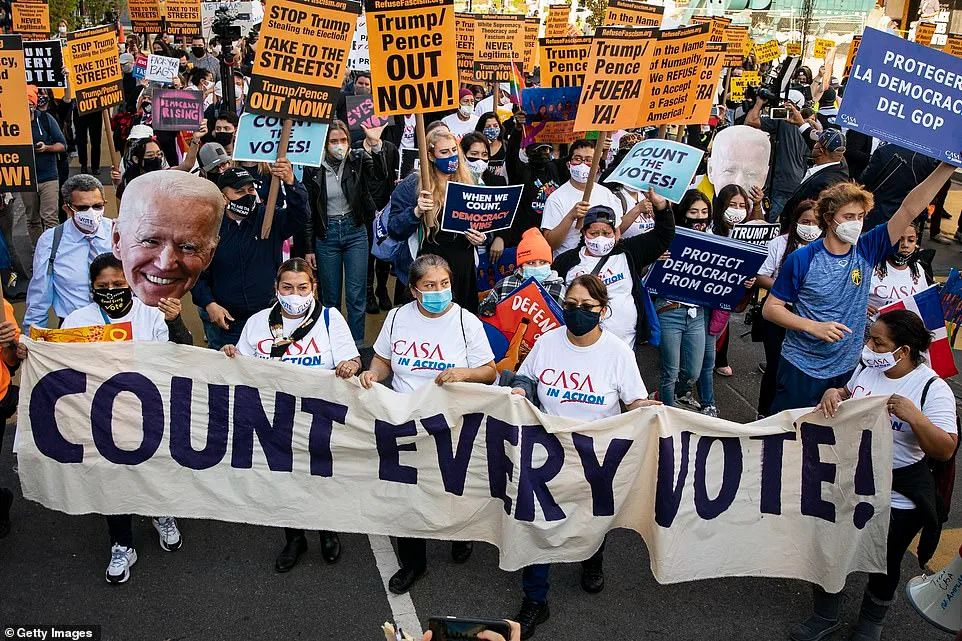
(157, 428)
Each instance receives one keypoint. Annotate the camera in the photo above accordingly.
(223, 25)
(768, 94)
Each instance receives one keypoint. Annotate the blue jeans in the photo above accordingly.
(217, 336)
(534, 578)
(706, 380)
(682, 348)
(342, 259)
(778, 202)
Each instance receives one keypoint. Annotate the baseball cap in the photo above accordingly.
(828, 97)
(126, 59)
(212, 155)
(831, 140)
(138, 132)
(600, 214)
(235, 178)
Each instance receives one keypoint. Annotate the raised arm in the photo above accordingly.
(918, 200)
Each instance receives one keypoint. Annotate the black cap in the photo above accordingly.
(235, 177)
(600, 214)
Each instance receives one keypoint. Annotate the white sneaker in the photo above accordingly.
(710, 410)
(166, 527)
(688, 401)
(121, 559)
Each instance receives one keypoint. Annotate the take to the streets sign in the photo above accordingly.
(156, 428)
(414, 64)
(96, 77)
(906, 93)
(301, 58)
(464, 33)
(183, 18)
(17, 168)
(31, 19)
(44, 62)
(144, 15)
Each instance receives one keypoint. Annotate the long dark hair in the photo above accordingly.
(882, 269)
(906, 328)
(483, 119)
(690, 198)
(794, 240)
(723, 198)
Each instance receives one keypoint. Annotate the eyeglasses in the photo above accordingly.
(151, 155)
(585, 307)
(85, 208)
(577, 160)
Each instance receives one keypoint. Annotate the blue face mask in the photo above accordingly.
(436, 302)
(537, 273)
(447, 165)
(491, 132)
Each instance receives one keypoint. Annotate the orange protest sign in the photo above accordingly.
(412, 68)
(953, 44)
(531, 26)
(556, 24)
(615, 80)
(114, 332)
(794, 48)
(301, 58)
(737, 36)
(632, 13)
(718, 26)
(17, 166)
(498, 41)
(144, 15)
(924, 32)
(767, 51)
(464, 35)
(709, 72)
(183, 17)
(822, 45)
(96, 77)
(564, 61)
(852, 50)
(31, 20)
(675, 63)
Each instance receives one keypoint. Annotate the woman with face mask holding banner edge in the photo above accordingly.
(431, 326)
(323, 340)
(582, 349)
(924, 425)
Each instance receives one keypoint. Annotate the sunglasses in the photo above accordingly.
(585, 307)
(85, 208)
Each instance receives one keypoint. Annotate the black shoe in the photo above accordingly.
(288, 557)
(372, 307)
(330, 546)
(461, 551)
(532, 613)
(84, 170)
(6, 500)
(593, 576)
(404, 579)
(383, 300)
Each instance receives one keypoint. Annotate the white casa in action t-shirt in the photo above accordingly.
(322, 347)
(459, 127)
(939, 408)
(583, 382)
(146, 322)
(622, 316)
(420, 348)
(565, 197)
(895, 285)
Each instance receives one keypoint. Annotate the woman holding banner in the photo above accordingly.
(415, 210)
(321, 339)
(579, 351)
(438, 335)
(924, 429)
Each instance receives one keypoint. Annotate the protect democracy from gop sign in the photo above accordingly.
(484, 209)
(157, 428)
(906, 93)
(704, 269)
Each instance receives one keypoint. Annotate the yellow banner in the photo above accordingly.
(464, 34)
(144, 15)
(556, 24)
(850, 58)
(96, 77)
(183, 17)
(718, 26)
(673, 77)
(767, 51)
(794, 48)
(111, 333)
(632, 13)
(302, 57)
(17, 167)
(31, 20)
(412, 68)
(953, 45)
(712, 62)
(736, 88)
(498, 41)
(531, 26)
(564, 61)
(822, 45)
(924, 32)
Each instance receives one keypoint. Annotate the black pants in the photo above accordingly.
(939, 201)
(291, 533)
(412, 553)
(772, 338)
(121, 529)
(721, 349)
(90, 126)
(903, 526)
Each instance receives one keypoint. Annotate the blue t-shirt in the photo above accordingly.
(824, 287)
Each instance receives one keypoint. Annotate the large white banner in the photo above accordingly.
(149, 428)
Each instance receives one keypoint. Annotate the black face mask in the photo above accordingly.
(223, 138)
(539, 161)
(115, 301)
(243, 206)
(198, 51)
(182, 69)
(901, 260)
(698, 224)
(580, 321)
(152, 164)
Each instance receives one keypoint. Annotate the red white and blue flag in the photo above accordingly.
(927, 305)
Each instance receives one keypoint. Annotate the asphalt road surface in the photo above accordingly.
(221, 584)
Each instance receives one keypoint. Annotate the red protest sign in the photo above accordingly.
(528, 309)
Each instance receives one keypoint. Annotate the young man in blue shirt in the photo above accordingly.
(821, 294)
(48, 141)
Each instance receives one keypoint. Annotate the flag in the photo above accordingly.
(927, 305)
(517, 83)
(951, 296)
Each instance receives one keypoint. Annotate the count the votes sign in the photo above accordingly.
(906, 93)
(664, 165)
(258, 138)
(484, 209)
(704, 269)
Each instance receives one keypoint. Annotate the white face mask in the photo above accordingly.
(478, 166)
(734, 215)
(337, 152)
(466, 110)
(88, 221)
(808, 233)
(884, 361)
(295, 304)
(579, 173)
(848, 232)
(600, 245)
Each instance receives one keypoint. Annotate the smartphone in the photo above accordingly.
(451, 628)
(779, 113)
(714, 110)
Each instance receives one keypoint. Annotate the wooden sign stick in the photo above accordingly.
(114, 160)
(422, 153)
(593, 172)
(275, 181)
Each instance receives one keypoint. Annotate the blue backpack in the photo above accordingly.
(388, 248)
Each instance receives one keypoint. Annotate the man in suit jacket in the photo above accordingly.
(829, 169)
(891, 173)
(858, 150)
